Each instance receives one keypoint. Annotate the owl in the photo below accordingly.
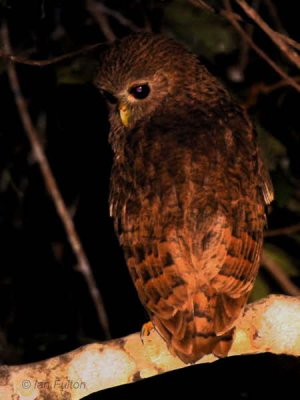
(188, 191)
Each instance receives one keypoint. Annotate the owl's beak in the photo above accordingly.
(124, 114)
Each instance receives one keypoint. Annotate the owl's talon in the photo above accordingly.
(146, 330)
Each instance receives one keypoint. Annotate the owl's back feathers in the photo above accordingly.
(188, 196)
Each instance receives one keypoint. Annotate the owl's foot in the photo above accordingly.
(147, 328)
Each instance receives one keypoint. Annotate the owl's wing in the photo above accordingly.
(235, 279)
(172, 263)
(236, 276)
(193, 263)
(212, 262)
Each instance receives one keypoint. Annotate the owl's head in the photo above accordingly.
(143, 72)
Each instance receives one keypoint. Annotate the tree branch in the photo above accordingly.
(118, 17)
(269, 325)
(53, 60)
(289, 53)
(274, 15)
(251, 100)
(279, 275)
(231, 17)
(96, 11)
(286, 230)
(202, 4)
(51, 185)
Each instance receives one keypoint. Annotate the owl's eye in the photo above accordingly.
(140, 92)
(109, 97)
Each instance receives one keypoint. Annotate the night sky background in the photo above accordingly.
(46, 308)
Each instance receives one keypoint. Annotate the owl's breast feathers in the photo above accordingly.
(188, 198)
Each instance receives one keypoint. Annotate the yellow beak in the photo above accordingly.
(124, 114)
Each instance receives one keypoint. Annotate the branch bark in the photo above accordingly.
(269, 325)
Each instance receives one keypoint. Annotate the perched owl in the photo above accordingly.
(188, 191)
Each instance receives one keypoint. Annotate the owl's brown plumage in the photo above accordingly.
(188, 191)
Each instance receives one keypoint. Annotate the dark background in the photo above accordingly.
(46, 308)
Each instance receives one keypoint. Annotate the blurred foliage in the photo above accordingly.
(194, 27)
(36, 263)
(264, 284)
(261, 289)
(76, 72)
(283, 259)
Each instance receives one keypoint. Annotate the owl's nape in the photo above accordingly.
(188, 192)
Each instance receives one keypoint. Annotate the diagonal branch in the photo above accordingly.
(279, 275)
(285, 41)
(94, 8)
(231, 17)
(273, 12)
(289, 53)
(51, 185)
(118, 17)
(202, 4)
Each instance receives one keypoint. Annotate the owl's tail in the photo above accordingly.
(204, 328)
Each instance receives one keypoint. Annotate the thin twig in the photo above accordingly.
(289, 53)
(42, 63)
(202, 4)
(287, 230)
(279, 275)
(275, 16)
(119, 17)
(245, 49)
(51, 185)
(261, 87)
(231, 17)
(234, 19)
(100, 17)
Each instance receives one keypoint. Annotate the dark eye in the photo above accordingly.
(109, 97)
(140, 92)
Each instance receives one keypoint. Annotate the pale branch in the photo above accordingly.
(269, 325)
(52, 187)
(284, 47)
(283, 280)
